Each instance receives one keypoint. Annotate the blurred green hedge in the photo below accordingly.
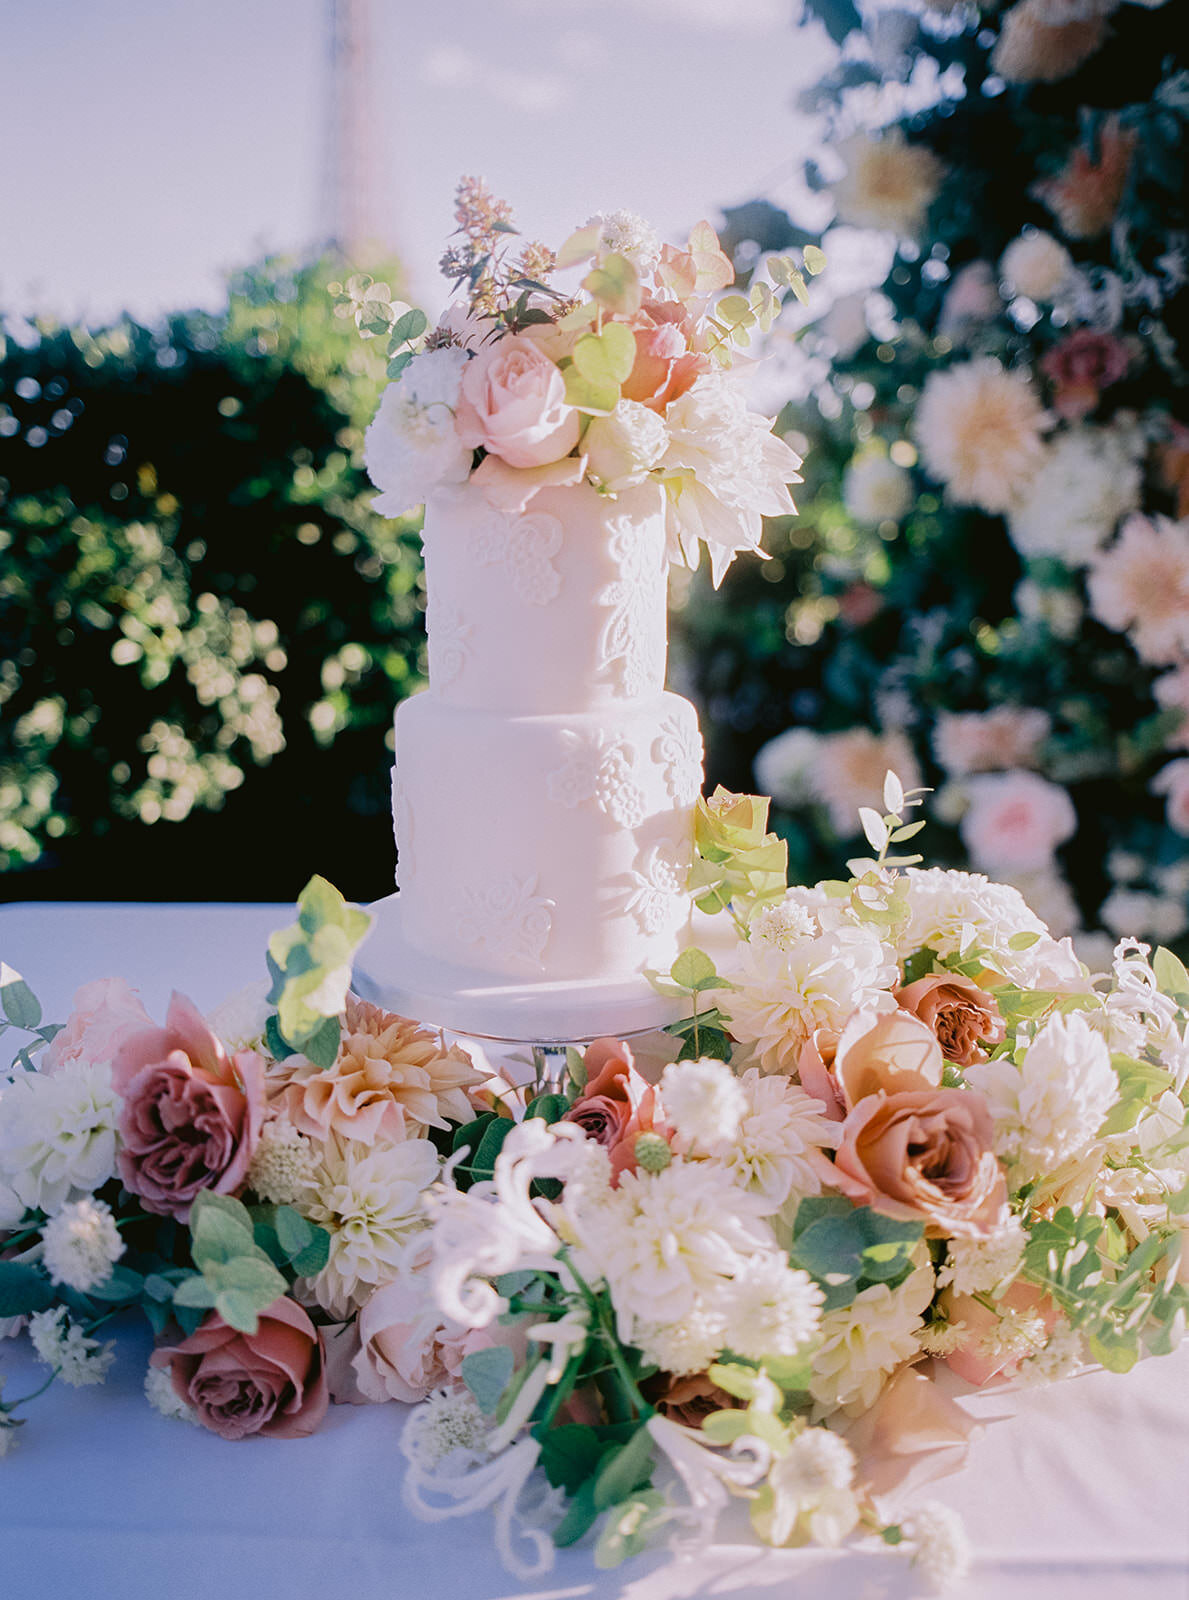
(203, 629)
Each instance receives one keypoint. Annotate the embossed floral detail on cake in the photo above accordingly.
(525, 546)
(402, 830)
(508, 916)
(631, 647)
(449, 649)
(658, 897)
(601, 769)
(677, 750)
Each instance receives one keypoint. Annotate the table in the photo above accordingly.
(1082, 1494)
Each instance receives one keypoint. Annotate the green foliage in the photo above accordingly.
(24, 1288)
(702, 1033)
(235, 1276)
(487, 1374)
(197, 606)
(483, 1139)
(848, 1248)
(310, 965)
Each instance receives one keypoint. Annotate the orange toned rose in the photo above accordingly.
(962, 1016)
(886, 1052)
(1085, 196)
(688, 1400)
(665, 366)
(924, 1155)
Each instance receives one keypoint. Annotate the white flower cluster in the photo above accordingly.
(81, 1244)
(57, 1137)
(62, 1345)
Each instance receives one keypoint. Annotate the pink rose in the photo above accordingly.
(924, 1155)
(191, 1116)
(1080, 368)
(617, 1104)
(513, 403)
(815, 1068)
(106, 1013)
(271, 1382)
(665, 366)
(961, 1015)
(979, 1321)
(913, 1434)
(407, 1349)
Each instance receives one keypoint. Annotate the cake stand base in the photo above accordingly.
(393, 973)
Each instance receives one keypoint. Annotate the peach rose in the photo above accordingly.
(617, 1104)
(962, 1016)
(886, 1051)
(913, 1434)
(106, 1013)
(967, 1362)
(665, 366)
(191, 1116)
(815, 1068)
(271, 1382)
(924, 1154)
(513, 403)
(687, 1400)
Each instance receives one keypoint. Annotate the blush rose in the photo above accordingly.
(271, 1382)
(191, 1116)
(513, 403)
(962, 1016)
(106, 1013)
(665, 366)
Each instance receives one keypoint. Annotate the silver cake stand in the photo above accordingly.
(392, 972)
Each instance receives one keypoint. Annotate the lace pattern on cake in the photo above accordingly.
(677, 750)
(448, 646)
(658, 897)
(510, 917)
(526, 547)
(601, 768)
(631, 647)
(402, 831)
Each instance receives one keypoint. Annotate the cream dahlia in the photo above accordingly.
(889, 183)
(1141, 586)
(980, 431)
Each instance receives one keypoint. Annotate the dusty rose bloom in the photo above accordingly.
(1085, 195)
(1081, 367)
(192, 1114)
(513, 403)
(106, 1013)
(963, 1017)
(688, 1400)
(885, 1052)
(271, 1382)
(924, 1155)
(665, 366)
(617, 1104)
(815, 1069)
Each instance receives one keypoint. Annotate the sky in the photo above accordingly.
(154, 145)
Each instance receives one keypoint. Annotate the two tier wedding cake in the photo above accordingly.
(568, 448)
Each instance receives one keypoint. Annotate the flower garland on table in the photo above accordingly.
(905, 1130)
(625, 386)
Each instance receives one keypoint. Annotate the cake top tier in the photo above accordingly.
(560, 607)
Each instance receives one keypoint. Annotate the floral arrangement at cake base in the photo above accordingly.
(903, 1134)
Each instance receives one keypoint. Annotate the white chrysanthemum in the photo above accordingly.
(411, 447)
(875, 489)
(774, 1308)
(952, 911)
(77, 1360)
(889, 183)
(703, 1103)
(58, 1133)
(724, 471)
(689, 1345)
(865, 1341)
(1089, 478)
(850, 770)
(812, 1481)
(622, 449)
(981, 1266)
(784, 924)
(980, 430)
(989, 741)
(1016, 821)
(283, 1163)
(777, 1151)
(784, 766)
(1140, 586)
(369, 1198)
(626, 234)
(1058, 609)
(1036, 265)
(239, 1021)
(671, 1241)
(1049, 1108)
(164, 1398)
(942, 1550)
(81, 1244)
(782, 996)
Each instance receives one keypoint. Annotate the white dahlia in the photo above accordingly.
(1140, 586)
(875, 489)
(1036, 265)
(778, 1150)
(1089, 479)
(411, 447)
(57, 1134)
(951, 911)
(703, 1103)
(863, 1342)
(980, 431)
(889, 183)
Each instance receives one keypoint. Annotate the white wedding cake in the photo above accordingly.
(544, 783)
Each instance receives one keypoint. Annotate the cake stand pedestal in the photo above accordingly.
(546, 1017)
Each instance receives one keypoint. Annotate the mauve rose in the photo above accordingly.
(513, 403)
(1080, 368)
(688, 1400)
(191, 1116)
(271, 1382)
(665, 366)
(617, 1104)
(106, 1013)
(924, 1155)
(886, 1051)
(961, 1015)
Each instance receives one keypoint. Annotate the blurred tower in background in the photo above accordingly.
(348, 219)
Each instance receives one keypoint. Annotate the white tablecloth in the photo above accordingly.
(1082, 1494)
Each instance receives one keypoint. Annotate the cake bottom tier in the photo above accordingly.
(548, 846)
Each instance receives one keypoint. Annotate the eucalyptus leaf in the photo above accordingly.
(626, 1469)
(21, 1006)
(24, 1288)
(486, 1374)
